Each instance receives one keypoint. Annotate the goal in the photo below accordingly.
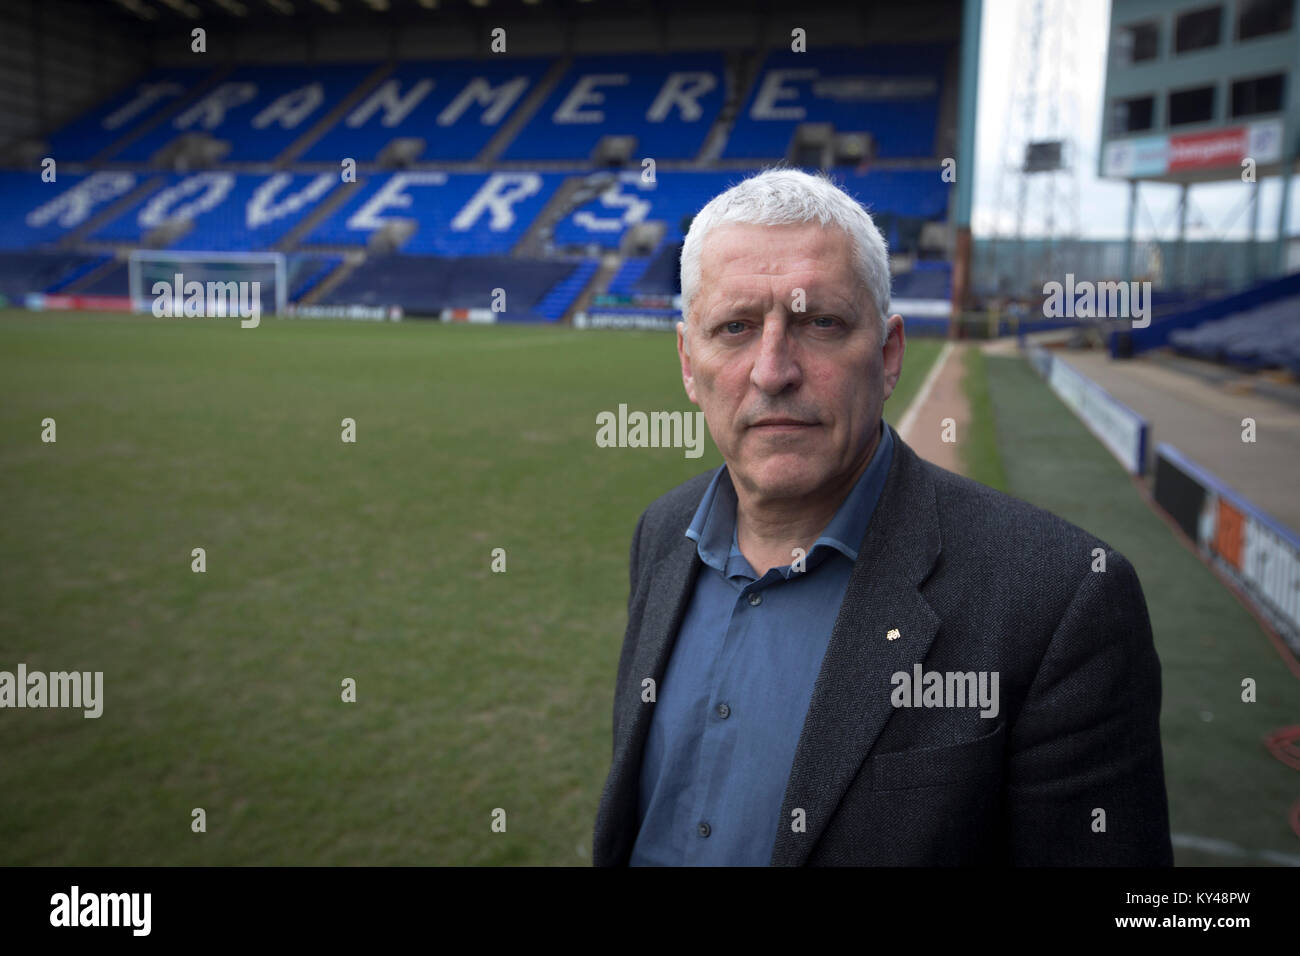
(146, 268)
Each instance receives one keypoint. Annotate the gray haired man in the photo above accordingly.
(837, 653)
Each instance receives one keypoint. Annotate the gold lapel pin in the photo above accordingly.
(893, 634)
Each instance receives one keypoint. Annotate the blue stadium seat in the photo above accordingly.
(628, 275)
(454, 106)
(425, 285)
(677, 195)
(458, 214)
(563, 294)
(1265, 336)
(260, 110)
(891, 92)
(667, 101)
(24, 272)
(36, 213)
(231, 211)
(131, 109)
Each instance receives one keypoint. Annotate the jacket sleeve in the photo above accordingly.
(1086, 782)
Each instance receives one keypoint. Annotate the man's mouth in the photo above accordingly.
(782, 424)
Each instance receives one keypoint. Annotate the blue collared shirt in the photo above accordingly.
(733, 699)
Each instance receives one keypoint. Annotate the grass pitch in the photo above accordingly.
(1223, 784)
(325, 560)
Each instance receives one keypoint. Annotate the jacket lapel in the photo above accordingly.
(851, 700)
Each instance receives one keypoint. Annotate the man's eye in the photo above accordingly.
(734, 328)
(824, 321)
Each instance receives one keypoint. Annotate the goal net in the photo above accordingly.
(226, 282)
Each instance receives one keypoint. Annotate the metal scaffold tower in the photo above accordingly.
(1039, 153)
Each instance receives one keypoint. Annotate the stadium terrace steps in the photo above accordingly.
(904, 124)
(539, 239)
(560, 300)
(328, 206)
(709, 105)
(97, 277)
(85, 138)
(741, 74)
(662, 275)
(1264, 336)
(25, 272)
(628, 274)
(522, 116)
(614, 95)
(331, 280)
(506, 171)
(114, 209)
(134, 133)
(307, 271)
(426, 285)
(334, 116)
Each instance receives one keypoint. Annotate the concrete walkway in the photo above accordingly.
(1203, 421)
(941, 397)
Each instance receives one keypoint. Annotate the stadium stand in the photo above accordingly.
(227, 211)
(23, 273)
(472, 174)
(451, 109)
(38, 214)
(1249, 328)
(557, 301)
(256, 112)
(428, 285)
(137, 107)
(897, 103)
(1263, 337)
(667, 102)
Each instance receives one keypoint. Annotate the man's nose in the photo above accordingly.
(775, 368)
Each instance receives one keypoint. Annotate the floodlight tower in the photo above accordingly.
(1039, 150)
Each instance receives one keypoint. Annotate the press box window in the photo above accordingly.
(1263, 94)
(1198, 29)
(1133, 115)
(1136, 43)
(1258, 18)
(1191, 106)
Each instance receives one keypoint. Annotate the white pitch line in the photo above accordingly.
(905, 424)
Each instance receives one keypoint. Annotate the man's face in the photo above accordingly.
(792, 398)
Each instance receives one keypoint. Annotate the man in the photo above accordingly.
(837, 653)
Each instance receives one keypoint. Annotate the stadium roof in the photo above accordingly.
(169, 13)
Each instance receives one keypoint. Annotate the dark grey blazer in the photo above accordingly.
(1068, 773)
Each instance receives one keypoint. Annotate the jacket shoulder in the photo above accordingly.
(975, 517)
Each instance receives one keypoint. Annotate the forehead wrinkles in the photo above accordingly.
(750, 265)
(762, 258)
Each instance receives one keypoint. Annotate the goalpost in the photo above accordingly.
(147, 267)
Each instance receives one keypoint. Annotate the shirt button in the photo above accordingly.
(755, 599)
(724, 711)
(704, 829)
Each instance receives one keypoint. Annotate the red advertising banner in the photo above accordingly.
(1225, 147)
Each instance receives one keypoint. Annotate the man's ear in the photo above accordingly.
(688, 380)
(892, 352)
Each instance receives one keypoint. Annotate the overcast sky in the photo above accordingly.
(1077, 42)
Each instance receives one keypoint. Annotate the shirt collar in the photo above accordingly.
(713, 528)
